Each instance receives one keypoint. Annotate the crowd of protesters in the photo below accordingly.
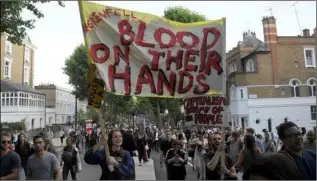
(288, 155)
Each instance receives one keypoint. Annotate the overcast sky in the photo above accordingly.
(59, 32)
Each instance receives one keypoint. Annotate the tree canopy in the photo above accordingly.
(12, 22)
(76, 67)
(183, 15)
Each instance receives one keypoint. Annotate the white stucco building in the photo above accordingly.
(60, 104)
(21, 102)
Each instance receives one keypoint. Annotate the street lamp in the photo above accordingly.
(168, 120)
(134, 99)
(182, 109)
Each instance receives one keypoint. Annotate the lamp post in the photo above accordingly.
(76, 117)
(182, 109)
(168, 119)
(134, 99)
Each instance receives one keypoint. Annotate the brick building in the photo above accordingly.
(272, 81)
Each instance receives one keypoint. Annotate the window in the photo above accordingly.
(26, 54)
(313, 112)
(233, 93)
(249, 66)
(32, 123)
(309, 56)
(295, 87)
(26, 75)
(8, 48)
(7, 70)
(241, 93)
(312, 86)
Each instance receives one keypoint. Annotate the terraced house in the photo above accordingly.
(272, 81)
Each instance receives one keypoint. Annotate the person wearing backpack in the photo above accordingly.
(70, 160)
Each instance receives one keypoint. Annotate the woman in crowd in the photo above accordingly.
(176, 162)
(150, 138)
(24, 150)
(198, 157)
(121, 164)
(192, 147)
(70, 159)
(141, 145)
(49, 147)
(248, 154)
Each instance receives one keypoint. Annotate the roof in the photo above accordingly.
(249, 38)
(258, 49)
(9, 86)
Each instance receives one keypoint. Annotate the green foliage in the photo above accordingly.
(12, 22)
(183, 15)
(93, 115)
(76, 67)
(18, 126)
(82, 117)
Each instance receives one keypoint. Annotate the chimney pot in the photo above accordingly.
(306, 32)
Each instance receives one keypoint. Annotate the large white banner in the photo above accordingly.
(142, 54)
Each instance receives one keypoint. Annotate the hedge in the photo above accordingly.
(18, 126)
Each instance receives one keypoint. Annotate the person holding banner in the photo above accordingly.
(175, 162)
(212, 161)
(120, 164)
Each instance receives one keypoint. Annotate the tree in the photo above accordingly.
(12, 22)
(183, 15)
(76, 67)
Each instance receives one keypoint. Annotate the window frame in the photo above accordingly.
(313, 58)
(295, 88)
(247, 65)
(26, 75)
(313, 114)
(9, 76)
(312, 88)
(26, 54)
(9, 44)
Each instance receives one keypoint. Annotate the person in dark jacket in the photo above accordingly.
(176, 162)
(129, 143)
(24, 150)
(70, 159)
(121, 165)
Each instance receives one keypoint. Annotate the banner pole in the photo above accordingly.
(224, 93)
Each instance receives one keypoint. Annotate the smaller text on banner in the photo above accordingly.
(205, 110)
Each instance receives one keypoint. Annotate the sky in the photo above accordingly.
(59, 32)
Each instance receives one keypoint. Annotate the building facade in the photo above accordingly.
(60, 104)
(22, 103)
(273, 81)
(17, 61)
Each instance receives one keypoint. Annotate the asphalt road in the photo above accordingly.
(89, 172)
(93, 172)
(161, 172)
